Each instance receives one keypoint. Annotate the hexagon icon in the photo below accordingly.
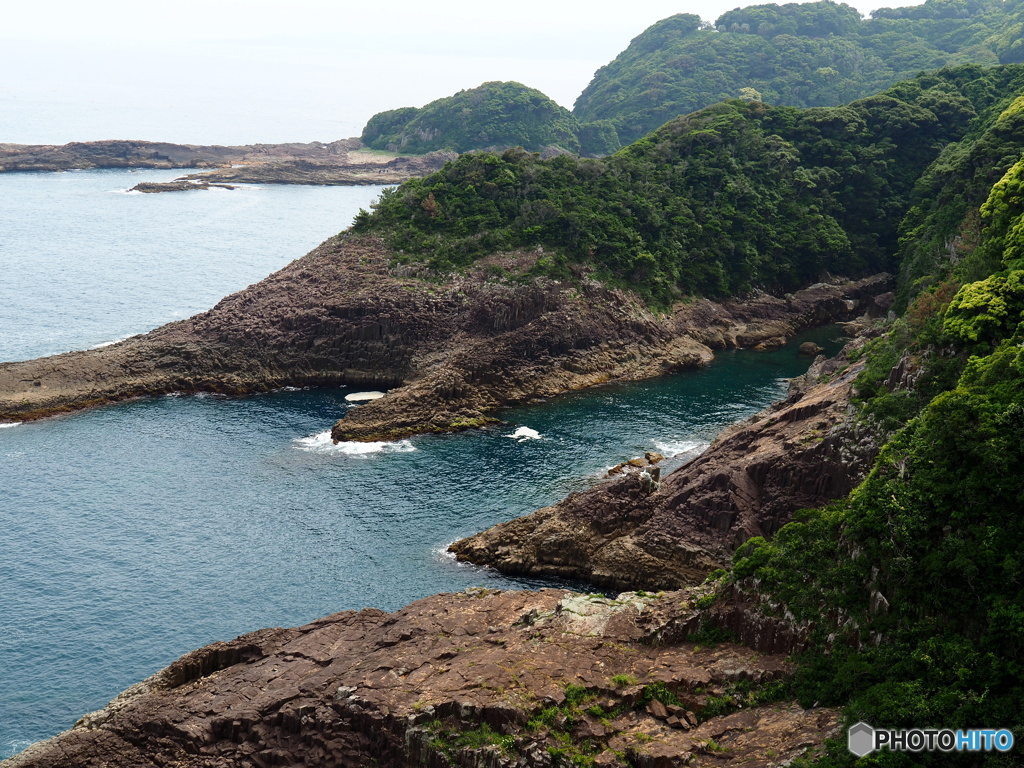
(860, 739)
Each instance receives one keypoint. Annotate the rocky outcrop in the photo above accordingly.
(453, 349)
(337, 163)
(631, 532)
(481, 678)
(160, 154)
(351, 169)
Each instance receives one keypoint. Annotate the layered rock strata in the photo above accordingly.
(452, 349)
(631, 532)
(481, 678)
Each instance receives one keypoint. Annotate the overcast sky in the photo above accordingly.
(229, 71)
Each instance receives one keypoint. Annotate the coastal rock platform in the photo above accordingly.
(450, 349)
(481, 678)
(799, 453)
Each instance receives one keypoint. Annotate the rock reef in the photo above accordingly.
(481, 678)
(799, 453)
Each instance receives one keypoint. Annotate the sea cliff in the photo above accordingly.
(451, 348)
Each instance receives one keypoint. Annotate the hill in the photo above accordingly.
(806, 55)
(492, 115)
(736, 196)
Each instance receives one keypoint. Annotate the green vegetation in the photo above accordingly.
(493, 115)
(737, 196)
(449, 741)
(919, 570)
(805, 55)
(913, 585)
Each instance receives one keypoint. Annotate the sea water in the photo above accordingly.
(133, 533)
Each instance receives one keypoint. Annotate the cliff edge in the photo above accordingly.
(451, 348)
(481, 678)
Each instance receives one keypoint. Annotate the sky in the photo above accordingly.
(234, 71)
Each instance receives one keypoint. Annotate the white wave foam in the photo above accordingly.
(525, 433)
(111, 343)
(322, 443)
(10, 424)
(675, 447)
(359, 397)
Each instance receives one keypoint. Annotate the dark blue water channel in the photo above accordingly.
(134, 533)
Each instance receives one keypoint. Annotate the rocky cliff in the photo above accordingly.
(452, 348)
(633, 532)
(481, 678)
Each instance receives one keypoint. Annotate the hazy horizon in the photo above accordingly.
(233, 72)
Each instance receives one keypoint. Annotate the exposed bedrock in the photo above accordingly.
(470, 679)
(631, 533)
(159, 154)
(452, 350)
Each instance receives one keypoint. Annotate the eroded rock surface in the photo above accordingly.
(627, 533)
(453, 349)
(481, 678)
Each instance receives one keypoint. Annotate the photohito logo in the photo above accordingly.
(862, 739)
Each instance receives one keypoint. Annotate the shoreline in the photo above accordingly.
(344, 162)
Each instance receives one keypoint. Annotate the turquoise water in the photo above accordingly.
(134, 533)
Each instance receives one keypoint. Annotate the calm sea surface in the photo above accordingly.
(134, 533)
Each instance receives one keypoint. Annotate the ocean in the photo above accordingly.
(134, 533)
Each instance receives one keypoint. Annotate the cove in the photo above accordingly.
(135, 533)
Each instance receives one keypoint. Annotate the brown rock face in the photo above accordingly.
(800, 453)
(473, 679)
(454, 349)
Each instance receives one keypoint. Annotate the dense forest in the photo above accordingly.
(495, 114)
(919, 570)
(736, 196)
(806, 55)
(914, 584)
(800, 54)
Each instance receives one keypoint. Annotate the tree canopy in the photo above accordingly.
(492, 115)
(798, 54)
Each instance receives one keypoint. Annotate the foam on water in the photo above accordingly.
(10, 424)
(359, 397)
(675, 447)
(114, 341)
(322, 443)
(525, 433)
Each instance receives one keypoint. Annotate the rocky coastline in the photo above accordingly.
(343, 162)
(643, 531)
(488, 678)
(451, 349)
(481, 678)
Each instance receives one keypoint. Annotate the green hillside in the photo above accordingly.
(493, 115)
(805, 55)
(736, 196)
(913, 586)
